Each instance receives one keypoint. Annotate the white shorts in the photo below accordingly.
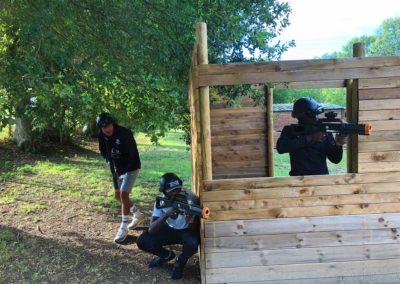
(127, 181)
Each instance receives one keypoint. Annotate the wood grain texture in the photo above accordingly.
(380, 104)
(379, 167)
(302, 240)
(379, 146)
(379, 115)
(259, 227)
(293, 192)
(298, 271)
(376, 83)
(299, 181)
(296, 76)
(304, 201)
(380, 136)
(298, 65)
(302, 255)
(379, 94)
(291, 212)
(391, 156)
(391, 278)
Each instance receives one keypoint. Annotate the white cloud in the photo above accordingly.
(321, 26)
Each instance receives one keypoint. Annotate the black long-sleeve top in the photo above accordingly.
(120, 149)
(308, 158)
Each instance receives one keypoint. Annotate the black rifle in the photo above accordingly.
(332, 124)
(181, 204)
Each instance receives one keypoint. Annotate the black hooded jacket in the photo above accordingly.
(308, 158)
(120, 150)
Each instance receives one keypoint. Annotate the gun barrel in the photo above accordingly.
(349, 128)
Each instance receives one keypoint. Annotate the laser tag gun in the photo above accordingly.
(332, 124)
(181, 203)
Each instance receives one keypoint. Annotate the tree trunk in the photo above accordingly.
(23, 130)
(90, 129)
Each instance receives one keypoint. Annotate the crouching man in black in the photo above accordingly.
(168, 227)
(309, 151)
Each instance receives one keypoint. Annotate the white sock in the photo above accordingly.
(133, 209)
(124, 223)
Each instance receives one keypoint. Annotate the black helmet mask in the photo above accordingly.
(170, 182)
(306, 107)
(104, 119)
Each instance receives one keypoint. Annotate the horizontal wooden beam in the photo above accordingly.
(297, 76)
(298, 65)
(298, 181)
(261, 227)
(329, 70)
(374, 83)
(303, 240)
(302, 255)
(299, 271)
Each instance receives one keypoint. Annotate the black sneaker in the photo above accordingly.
(158, 261)
(177, 271)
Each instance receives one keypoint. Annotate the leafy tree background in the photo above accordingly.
(63, 62)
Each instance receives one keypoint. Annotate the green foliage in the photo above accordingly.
(63, 62)
(335, 96)
(387, 38)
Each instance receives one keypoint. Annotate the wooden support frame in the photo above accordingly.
(204, 94)
(244, 207)
(269, 93)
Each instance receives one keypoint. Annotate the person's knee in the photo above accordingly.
(125, 197)
(191, 243)
(145, 242)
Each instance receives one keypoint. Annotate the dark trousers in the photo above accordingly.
(154, 243)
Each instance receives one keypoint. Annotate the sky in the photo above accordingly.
(324, 26)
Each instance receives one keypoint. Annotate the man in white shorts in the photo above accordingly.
(118, 147)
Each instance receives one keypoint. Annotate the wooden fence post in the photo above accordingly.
(270, 130)
(205, 128)
(352, 112)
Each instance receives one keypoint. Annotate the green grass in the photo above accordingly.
(27, 208)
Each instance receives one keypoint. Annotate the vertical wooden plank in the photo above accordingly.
(348, 118)
(205, 132)
(201, 31)
(194, 124)
(270, 130)
(352, 104)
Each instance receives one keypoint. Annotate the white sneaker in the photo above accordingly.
(121, 235)
(137, 219)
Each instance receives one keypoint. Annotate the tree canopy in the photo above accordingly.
(64, 61)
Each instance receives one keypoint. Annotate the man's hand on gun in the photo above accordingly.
(172, 213)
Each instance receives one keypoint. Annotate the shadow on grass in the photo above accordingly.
(26, 258)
